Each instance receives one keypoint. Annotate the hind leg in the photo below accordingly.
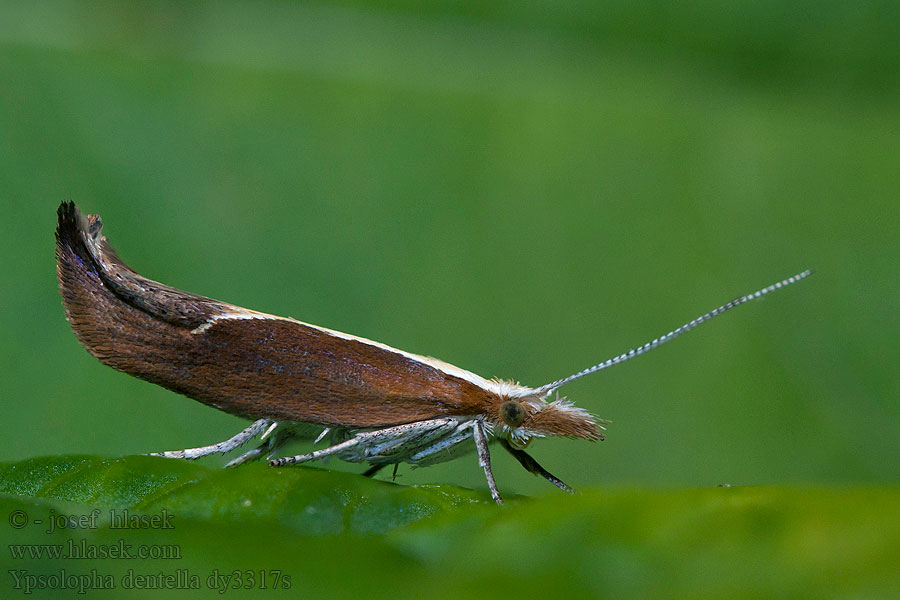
(222, 447)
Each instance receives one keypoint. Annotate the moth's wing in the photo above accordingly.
(241, 361)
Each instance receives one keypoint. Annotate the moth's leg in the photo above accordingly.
(248, 456)
(532, 466)
(269, 446)
(222, 447)
(484, 459)
(302, 458)
(371, 471)
(372, 443)
(322, 435)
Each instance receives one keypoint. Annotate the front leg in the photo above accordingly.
(484, 459)
(222, 447)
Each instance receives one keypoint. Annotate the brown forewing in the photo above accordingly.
(286, 370)
(272, 368)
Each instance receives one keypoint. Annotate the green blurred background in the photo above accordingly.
(521, 189)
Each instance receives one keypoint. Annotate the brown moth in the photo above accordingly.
(378, 404)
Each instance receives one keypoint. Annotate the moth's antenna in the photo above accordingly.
(546, 389)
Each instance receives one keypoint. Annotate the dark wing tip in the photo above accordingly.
(81, 247)
(66, 210)
(67, 227)
(71, 223)
(67, 217)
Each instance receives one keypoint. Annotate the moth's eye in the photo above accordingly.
(513, 413)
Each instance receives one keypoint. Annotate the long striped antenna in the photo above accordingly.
(546, 389)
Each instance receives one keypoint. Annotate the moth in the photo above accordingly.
(376, 404)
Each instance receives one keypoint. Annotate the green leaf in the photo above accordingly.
(305, 500)
(339, 535)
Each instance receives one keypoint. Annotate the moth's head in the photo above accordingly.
(521, 418)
